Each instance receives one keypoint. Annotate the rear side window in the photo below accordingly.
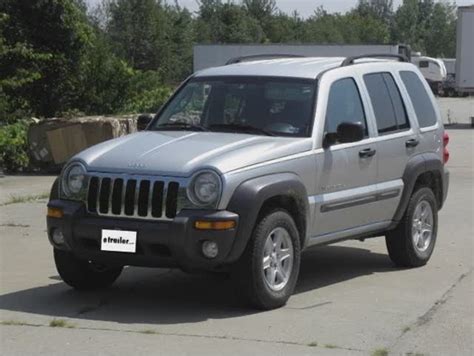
(423, 64)
(344, 105)
(387, 103)
(419, 97)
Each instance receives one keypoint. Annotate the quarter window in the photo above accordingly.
(424, 110)
(344, 105)
(389, 110)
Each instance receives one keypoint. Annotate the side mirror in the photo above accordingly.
(350, 132)
(143, 121)
(346, 132)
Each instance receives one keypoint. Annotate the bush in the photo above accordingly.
(13, 146)
(147, 101)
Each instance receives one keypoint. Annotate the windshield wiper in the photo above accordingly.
(241, 128)
(171, 126)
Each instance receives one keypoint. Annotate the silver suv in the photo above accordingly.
(250, 164)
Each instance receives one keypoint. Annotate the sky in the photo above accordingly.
(304, 7)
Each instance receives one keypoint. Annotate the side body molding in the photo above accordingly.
(249, 197)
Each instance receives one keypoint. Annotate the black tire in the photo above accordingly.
(451, 93)
(81, 274)
(248, 271)
(400, 245)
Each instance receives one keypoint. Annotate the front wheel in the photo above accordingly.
(412, 242)
(82, 274)
(269, 268)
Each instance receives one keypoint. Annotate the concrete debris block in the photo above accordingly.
(54, 141)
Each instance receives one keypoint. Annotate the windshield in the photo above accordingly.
(256, 105)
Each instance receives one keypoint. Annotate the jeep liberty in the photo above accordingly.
(249, 164)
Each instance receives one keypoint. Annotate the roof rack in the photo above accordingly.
(350, 60)
(257, 57)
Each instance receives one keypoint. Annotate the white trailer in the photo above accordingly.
(433, 69)
(465, 49)
(214, 55)
(450, 64)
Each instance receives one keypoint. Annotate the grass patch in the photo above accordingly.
(16, 199)
(14, 225)
(61, 323)
(331, 346)
(380, 352)
(313, 344)
(406, 329)
(149, 332)
(11, 322)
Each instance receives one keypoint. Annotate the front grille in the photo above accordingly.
(133, 197)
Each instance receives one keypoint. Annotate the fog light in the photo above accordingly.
(210, 249)
(58, 237)
(55, 213)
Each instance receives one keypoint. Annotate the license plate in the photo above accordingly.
(119, 241)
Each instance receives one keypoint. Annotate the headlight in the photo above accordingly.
(74, 179)
(205, 189)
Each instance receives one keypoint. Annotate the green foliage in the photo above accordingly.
(13, 146)
(144, 96)
(427, 26)
(43, 42)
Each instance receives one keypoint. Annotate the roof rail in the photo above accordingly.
(350, 60)
(257, 57)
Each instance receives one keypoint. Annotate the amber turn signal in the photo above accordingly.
(55, 213)
(214, 225)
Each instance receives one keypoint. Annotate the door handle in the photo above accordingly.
(413, 142)
(368, 152)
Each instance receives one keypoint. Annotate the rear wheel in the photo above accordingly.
(412, 242)
(82, 274)
(268, 269)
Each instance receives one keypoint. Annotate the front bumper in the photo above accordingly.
(173, 243)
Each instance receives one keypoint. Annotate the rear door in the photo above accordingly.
(396, 139)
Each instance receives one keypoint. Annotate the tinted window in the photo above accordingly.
(387, 103)
(419, 97)
(344, 105)
(282, 106)
(423, 64)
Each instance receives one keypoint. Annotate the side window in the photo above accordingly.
(389, 110)
(423, 64)
(420, 99)
(344, 105)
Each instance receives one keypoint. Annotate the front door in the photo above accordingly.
(346, 172)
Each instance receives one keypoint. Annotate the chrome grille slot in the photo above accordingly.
(92, 194)
(157, 200)
(133, 196)
(129, 202)
(143, 194)
(104, 194)
(116, 200)
(172, 200)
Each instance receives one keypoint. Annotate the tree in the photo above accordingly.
(379, 9)
(427, 26)
(226, 23)
(135, 28)
(43, 44)
(260, 9)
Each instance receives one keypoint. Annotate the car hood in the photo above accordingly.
(180, 153)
